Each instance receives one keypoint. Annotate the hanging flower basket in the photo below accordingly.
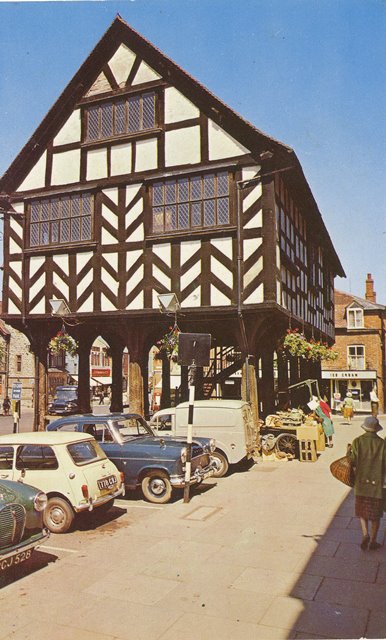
(169, 343)
(63, 342)
(296, 344)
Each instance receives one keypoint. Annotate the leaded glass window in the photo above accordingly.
(128, 115)
(191, 202)
(61, 220)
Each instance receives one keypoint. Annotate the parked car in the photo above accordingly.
(229, 422)
(65, 401)
(21, 518)
(71, 468)
(155, 464)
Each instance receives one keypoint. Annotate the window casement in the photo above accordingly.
(18, 363)
(128, 115)
(356, 356)
(191, 203)
(61, 220)
(355, 318)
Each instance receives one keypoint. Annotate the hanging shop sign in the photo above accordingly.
(349, 375)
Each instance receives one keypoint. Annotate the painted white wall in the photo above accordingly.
(36, 177)
(253, 272)
(66, 167)
(120, 159)
(182, 146)
(96, 164)
(146, 154)
(221, 144)
(145, 74)
(164, 252)
(71, 130)
(177, 107)
(217, 298)
(224, 274)
(121, 64)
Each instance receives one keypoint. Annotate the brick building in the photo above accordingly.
(360, 326)
(17, 364)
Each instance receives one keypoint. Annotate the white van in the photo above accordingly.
(230, 422)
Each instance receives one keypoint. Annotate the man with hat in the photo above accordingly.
(368, 453)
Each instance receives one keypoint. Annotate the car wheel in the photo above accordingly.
(287, 443)
(103, 508)
(58, 515)
(156, 487)
(222, 464)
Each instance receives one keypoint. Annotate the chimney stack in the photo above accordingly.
(370, 293)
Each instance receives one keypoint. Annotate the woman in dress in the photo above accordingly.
(348, 407)
(368, 453)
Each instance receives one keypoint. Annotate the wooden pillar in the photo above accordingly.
(165, 394)
(268, 389)
(184, 396)
(250, 395)
(199, 383)
(136, 395)
(39, 344)
(116, 351)
(84, 398)
(294, 366)
(282, 372)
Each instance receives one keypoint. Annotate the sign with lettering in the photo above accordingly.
(349, 375)
(16, 391)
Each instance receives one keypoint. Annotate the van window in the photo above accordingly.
(36, 457)
(6, 457)
(164, 423)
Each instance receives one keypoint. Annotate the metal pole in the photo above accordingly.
(188, 466)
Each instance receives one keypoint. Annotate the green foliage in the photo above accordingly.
(296, 344)
(63, 342)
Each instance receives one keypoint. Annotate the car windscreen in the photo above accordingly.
(130, 428)
(66, 394)
(85, 452)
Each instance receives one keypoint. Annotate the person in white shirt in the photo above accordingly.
(374, 401)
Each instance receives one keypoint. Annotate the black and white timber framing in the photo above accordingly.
(135, 184)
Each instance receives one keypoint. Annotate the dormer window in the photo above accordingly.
(355, 318)
(122, 117)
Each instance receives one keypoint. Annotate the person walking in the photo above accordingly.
(101, 397)
(374, 401)
(324, 412)
(348, 407)
(368, 453)
(6, 405)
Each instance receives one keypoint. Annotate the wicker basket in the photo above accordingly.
(343, 470)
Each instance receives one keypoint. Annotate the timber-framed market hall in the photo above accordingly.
(139, 182)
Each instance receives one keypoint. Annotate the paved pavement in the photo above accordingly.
(269, 552)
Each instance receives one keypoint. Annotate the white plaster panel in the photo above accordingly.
(278, 260)
(71, 130)
(250, 172)
(62, 286)
(84, 283)
(121, 64)
(96, 164)
(217, 298)
(134, 212)
(177, 107)
(109, 281)
(256, 222)
(101, 85)
(278, 291)
(256, 296)
(120, 159)
(134, 280)
(36, 177)
(250, 245)
(164, 252)
(38, 286)
(17, 267)
(131, 192)
(137, 303)
(161, 277)
(145, 74)
(13, 247)
(107, 238)
(190, 275)
(182, 146)
(112, 194)
(66, 167)
(221, 272)
(253, 196)
(146, 154)
(224, 245)
(40, 307)
(110, 216)
(222, 145)
(137, 235)
(106, 305)
(112, 259)
(34, 264)
(253, 272)
(82, 259)
(131, 258)
(188, 249)
(12, 308)
(15, 288)
(16, 226)
(193, 300)
(87, 306)
(62, 262)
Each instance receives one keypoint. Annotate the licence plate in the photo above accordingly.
(18, 558)
(106, 483)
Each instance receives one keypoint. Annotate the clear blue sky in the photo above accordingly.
(311, 73)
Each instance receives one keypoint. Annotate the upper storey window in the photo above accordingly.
(191, 203)
(61, 220)
(355, 318)
(126, 116)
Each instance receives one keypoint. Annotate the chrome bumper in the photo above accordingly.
(198, 475)
(30, 544)
(89, 506)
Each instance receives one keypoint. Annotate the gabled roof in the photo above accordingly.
(242, 130)
(344, 301)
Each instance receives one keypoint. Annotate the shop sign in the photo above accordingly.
(349, 375)
(100, 373)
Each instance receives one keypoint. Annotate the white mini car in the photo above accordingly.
(70, 468)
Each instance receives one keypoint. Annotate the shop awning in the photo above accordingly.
(93, 383)
(103, 380)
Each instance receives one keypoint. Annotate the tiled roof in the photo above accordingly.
(343, 300)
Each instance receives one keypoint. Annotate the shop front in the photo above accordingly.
(358, 382)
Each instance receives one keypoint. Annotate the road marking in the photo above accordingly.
(45, 546)
(123, 503)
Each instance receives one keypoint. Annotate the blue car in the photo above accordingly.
(155, 464)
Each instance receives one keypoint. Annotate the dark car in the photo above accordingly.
(21, 522)
(65, 402)
(155, 464)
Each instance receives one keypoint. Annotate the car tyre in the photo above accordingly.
(156, 487)
(222, 464)
(58, 515)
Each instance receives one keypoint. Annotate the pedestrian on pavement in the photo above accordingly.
(348, 407)
(101, 397)
(323, 415)
(6, 405)
(368, 453)
(374, 401)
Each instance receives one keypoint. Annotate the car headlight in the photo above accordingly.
(212, 444)
(184, 453)
(40, 501)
